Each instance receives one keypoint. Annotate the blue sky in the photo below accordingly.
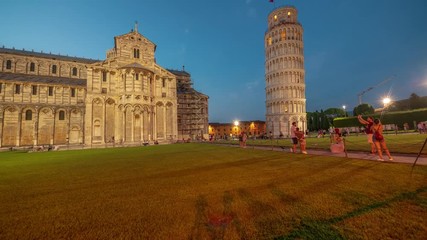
(349, 45)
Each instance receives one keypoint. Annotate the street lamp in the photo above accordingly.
(345, 113)
(236, 127)
(386, 101)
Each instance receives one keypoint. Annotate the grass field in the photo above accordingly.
(204, 191)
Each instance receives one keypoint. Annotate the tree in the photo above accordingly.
(318, 120)
(363, 109)
(325, 121)
(335, 112)
(416, 102)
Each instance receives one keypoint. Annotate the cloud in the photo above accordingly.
(315, 62)
(252, 85)
(251, 12)
(182, 49)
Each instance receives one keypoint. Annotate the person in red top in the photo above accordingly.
(301, 139)
(379, 141)
(368, 130)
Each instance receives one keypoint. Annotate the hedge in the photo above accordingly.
(398, 118)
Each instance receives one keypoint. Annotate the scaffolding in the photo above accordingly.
(193, 118)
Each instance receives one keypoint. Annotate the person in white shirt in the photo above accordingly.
(294, 137)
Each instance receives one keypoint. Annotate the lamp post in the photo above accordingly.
(236, 127)
(386, 101)
(345, 113)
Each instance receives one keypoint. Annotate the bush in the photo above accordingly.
(398, 118)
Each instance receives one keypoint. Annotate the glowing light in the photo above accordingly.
(386, 101)
(236, 123)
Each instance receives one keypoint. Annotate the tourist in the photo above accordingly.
(244, 138)
(294, 137)
(420, 127)
(368, 124)
(301, 139)
(379, 140)
(337, 143)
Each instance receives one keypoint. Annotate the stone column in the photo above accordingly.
(36, 127)
(124, 125)
(104, 121)
(133, 125)
(117, 124)
(52, 140)
(88, 122)
(142, 126)
(83, 124)
(68, 125)
(18, 130)
(1, 125)
(153, 123)
(164, 122)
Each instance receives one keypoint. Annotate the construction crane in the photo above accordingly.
(370, 88)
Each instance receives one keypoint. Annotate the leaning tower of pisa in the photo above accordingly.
(284, 72)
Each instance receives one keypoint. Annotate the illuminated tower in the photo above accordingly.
(284, 72)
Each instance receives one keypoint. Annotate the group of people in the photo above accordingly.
(298, 136)
(373, 128)
(422, 127)
(374, 131)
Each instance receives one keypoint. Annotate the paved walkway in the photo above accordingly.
(398, 158)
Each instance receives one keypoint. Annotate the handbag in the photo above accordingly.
(378, 136)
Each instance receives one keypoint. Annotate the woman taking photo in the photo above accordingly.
(378, 139)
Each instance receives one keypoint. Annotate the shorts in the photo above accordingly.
(295, 140)
(370, 136)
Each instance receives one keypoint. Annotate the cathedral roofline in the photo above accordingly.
(132, 32)
(47, 55)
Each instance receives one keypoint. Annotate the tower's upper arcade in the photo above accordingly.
(282, 15)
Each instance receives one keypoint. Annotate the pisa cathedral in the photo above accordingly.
(48, 99)
(284, 72)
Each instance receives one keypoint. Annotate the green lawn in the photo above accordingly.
(204, 191)
(401, 143)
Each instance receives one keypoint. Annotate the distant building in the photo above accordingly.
(193, 118)
(284, 72)
(227, 130)
(50, 99)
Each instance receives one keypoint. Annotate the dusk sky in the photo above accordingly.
(349, 45)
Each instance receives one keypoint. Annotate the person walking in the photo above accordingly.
(368, 130)
(294, 137)
(244, 138)
(379, 141)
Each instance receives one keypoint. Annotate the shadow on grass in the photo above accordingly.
(313, 229)
(215, 224)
